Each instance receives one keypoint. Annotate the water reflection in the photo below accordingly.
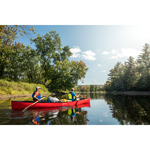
(49, 116)
(67, 116)
(104, 109)
(133, 110)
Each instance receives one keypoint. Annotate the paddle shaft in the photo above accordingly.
(32, 104)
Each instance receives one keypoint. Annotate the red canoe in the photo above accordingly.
(24, 104)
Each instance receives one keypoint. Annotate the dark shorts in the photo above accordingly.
(43, 101)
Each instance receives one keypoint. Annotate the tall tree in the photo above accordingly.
(116, 77)
(49, 49)
(144, 68)
(8, 34)
(65, 74)
(130, 74)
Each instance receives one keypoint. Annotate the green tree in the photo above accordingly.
(116, 77)
(130, 74)
(144, 68)
(8, 34)
(30, 67)
(65, 74)
(133, 75)
(49, 49)
(23, 64)
(91, 88)
(96, 88)
(88, 88)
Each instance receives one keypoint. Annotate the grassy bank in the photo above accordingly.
(14, 88)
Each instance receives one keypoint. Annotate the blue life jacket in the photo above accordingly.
(39, 96)
(38, 119)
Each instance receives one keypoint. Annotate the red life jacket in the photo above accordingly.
(37, 94)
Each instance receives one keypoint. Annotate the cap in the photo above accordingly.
(38, 87)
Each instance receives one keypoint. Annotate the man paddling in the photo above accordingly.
(36, 95)
(72, 96)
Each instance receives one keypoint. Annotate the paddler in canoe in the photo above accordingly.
(36, 95)
(72, 96)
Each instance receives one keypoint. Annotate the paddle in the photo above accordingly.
(33, 104)
(83, 96)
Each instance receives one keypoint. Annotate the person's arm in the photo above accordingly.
(77, 96)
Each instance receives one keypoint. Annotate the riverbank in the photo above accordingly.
(132, 93)
(15, 96)
(13, 90)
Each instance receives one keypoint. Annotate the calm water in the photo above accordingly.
(103, 109)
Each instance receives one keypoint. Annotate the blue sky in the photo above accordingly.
(99, 46)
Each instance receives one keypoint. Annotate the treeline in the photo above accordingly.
(48, 63)
(133, 75)
(89, 88)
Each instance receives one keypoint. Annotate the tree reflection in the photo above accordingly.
(77, 117)
(133, 110)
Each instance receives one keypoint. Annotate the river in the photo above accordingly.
(104, 109)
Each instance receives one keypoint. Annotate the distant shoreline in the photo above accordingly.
(66, 92)
(132, 93)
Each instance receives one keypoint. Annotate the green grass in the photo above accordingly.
(7, 87)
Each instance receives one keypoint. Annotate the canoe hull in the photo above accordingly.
(22, 104)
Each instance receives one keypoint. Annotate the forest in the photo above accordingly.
(48, 64)
(89, 88)
(133, 75)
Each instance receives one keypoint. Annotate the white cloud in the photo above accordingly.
(113, 51)
(103, 70)
(116, 56)
(98, 50)
(125, 52)
(105, 114)
(100, 120)
(99, 65)
(89, 55)
(75, 51)
(130, 52)
(105, 52)
(93, 70)
(95, 80)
